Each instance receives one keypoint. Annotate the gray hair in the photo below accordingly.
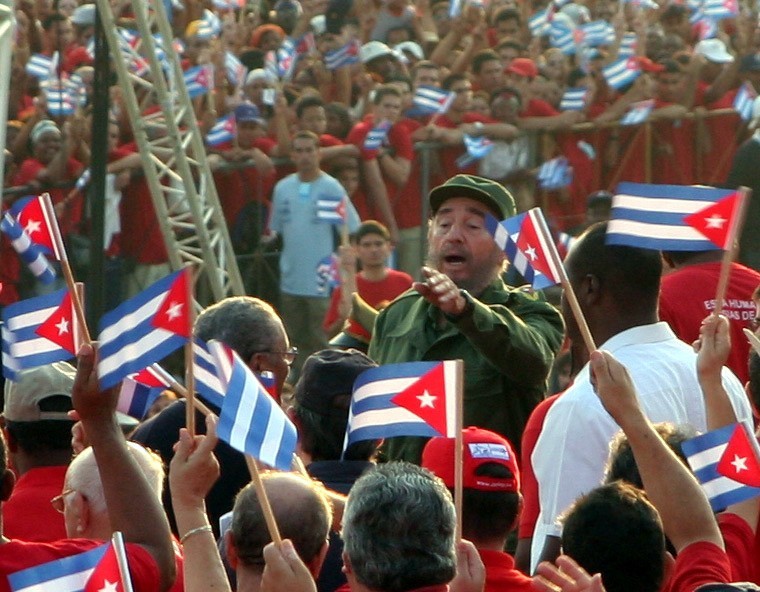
(398, 529)
(83, 475)
(246, 324)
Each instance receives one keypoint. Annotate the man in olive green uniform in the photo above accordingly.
(507, 337)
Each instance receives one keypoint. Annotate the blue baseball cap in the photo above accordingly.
(249, 112)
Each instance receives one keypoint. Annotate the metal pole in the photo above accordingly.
(96, 283)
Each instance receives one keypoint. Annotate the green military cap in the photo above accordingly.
(488, 192)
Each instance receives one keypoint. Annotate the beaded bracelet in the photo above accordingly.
(192, 531)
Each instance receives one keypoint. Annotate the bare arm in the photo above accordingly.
(373, 182)
(395, 168)
(132, 504)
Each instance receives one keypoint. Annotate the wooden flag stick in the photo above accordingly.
(299, 467)
(120, 550)
(734, 231)
(261, 493)
(753, 340)
(180, 390)
(458, 447)
(189, 362)
(569, 293)
(52, 222)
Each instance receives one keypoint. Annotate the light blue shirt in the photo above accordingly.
(306, 239)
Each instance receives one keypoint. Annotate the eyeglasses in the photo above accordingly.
(289, 354)
(57, 501)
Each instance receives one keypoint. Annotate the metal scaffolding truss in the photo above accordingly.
(170, 143)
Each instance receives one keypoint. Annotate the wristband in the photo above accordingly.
(192, 531)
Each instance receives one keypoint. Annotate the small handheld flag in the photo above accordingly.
(430, 100)
(715, 220)
(30, 253)
(744, 100)
(343, 56)
(725, 462)
(622, 72)
(331, 208)
(555, 174)
(377, 136)
(638, 113)
(574, 99)
(69, 574)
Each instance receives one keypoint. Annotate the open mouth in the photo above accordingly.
(454, 260)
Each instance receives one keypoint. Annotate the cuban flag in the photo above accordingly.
(199, 80)
(29, 252)
(40, 331)
(744, 100)
(555, 174)
(638, 112)
(628, 45)
(204, 370)
(139, 391)
(574, 99)
(77, 90)
(235, 69)
(539, 24)
(328, 273)
(720, 9)
(59, 102)
(42, 67)
(455, 8)
(622, 72)
(409, 399)
(598, 33)
(707, 28)
(281, 63)
(526, 247)
(222, 132)
(32, 213)
(654, 216)
(210, 26)
(377, 136)
(251, 421)
(305, 44)
(562, 37)
(10, 367)
(431, 101)
(343, 56)
(144, 329)
(477, 148)
(70, 574)
(331, 208)
(725, 462)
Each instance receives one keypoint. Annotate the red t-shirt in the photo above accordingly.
(528, 482)
(698, 564)
(406, 204)
(715, 165)
(398, 139)
(373, 293)
(538, 108)
(740, 547)
(672, 150)
(448, 155)
(28, 514)
(687, 296)
(501, 574)
(18, 555)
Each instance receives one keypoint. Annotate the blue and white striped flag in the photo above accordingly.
(199, 80)
(10, 366)
(331, 208)
(555, 174)
(58, 100)
(251, 421)
(724, 461)
(70, 574)
(139, 391)
(652, 216)
(622, 72)
(236, 71)
(720, 9)
(477, 148)
(598, 33)
(430, 100)
(204, 369)
(562, 37)
(29, 252)
(343, 56)
(42, 67)
(743, 101)
(328, 273)
(574, 99)
(628, 45)
(210, 26)
(538, 24)
(222, 132)
(638, 113)
(377, 136)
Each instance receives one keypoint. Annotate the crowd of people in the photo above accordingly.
(321, 168)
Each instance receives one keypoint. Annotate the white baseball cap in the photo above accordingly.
(714, 50)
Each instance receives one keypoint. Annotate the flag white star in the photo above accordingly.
(427, 400)
(109, 586)
(62, 326)
(715, 221)
(740, 463)
(174, 311)
(32, 226)
(531, 252)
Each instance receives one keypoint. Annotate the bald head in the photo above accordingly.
(302, 512)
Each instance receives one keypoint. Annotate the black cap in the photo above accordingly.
(328, 374)
(335, 15)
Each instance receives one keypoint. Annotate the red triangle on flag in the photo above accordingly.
(33, 220)
(174, 312)
(426, 398)
(714, 221)
(106, 576)
(739, 461)
(60, 327)
(530, 245)
(148, 377)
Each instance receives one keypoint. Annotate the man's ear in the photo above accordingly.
(7, 482)
(10, 441)
(232, 556)
(589, 290)
(81, 509)
(315, 565)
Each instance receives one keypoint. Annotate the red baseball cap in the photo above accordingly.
(480, 447)
(648, 65)
(523, 67)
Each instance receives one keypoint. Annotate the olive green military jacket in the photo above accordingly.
(507, 341)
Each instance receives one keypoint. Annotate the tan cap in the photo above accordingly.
(23, 396)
